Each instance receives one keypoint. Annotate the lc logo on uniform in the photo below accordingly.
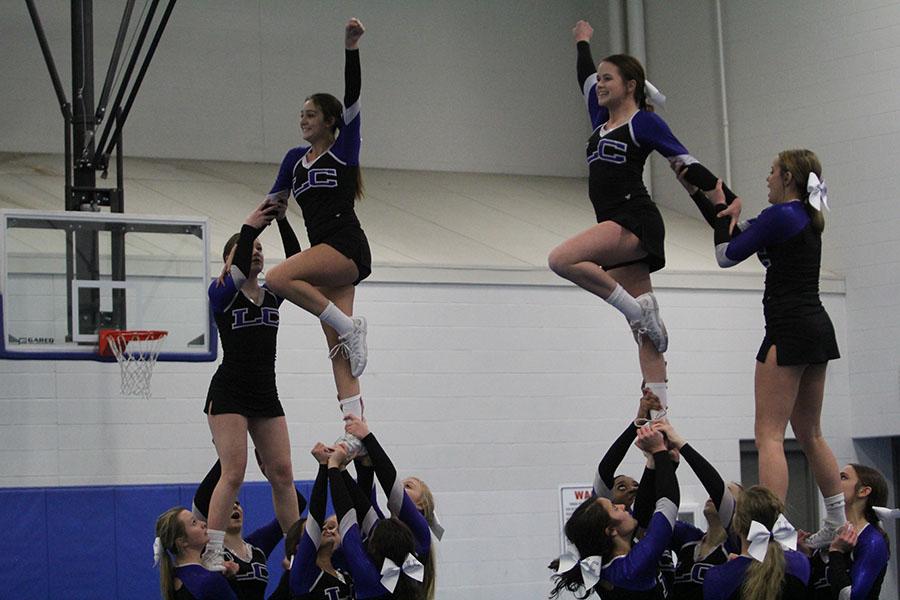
(318, 178)
(609, 150)
(268, 317)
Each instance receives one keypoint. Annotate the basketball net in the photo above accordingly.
(136, 352)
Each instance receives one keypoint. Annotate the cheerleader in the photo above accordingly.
(609, 561)
(389, 563)
(400, 505)
(314, 575)
(769, 567)
(799, 339)
(243, 397)
(856, 562)
(614, 259)
(696, 550)
(324, 177)
(180, 539)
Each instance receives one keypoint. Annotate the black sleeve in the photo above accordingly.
(243, 254)
(838, 571)
(352, 77)
(712, 482)
(339, 495)
(585, 64)
(318, 498)
(288, 238)
(357, 495)
(705, 207)
(205, 490)
(722, 227)
(365, 475)
(645, 499)
(381, 462)
(703, 178)
(283, 591)
(301, 501)
(666, 482)
(606, 470)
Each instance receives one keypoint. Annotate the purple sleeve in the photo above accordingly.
(642, 561)
(217, 588)
(203, 584)
(221, 294)
(651, 131)
(413, 519)
(869, 562)
(798, 565)
(722, 580)
(774, 225)
(285, 179)
(346, 146)
(266, 537)
(684, 533)
(304, 571)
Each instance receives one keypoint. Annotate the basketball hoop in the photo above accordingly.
(136, 353)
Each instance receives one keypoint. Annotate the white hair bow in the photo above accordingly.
(591, 567)
(435, 525)
(818, 192)
(656, 97)
(157, 551)
(782, 532)
(390, 572)
(887, 514)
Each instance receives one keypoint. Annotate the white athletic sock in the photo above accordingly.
(625, 303)
(834, 509)
(216, 540)
(661, 391)
(352, 406)
(338, 321)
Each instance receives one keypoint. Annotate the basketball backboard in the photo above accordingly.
(142, 272)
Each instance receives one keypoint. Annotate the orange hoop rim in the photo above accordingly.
(127, 335)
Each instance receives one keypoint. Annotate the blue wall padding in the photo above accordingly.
(24, 571)
(97, 542)
(136, 510)
(81, 529)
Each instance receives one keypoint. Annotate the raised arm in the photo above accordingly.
(346, 146)
(643, 559)
(352, 76)
(606, 469)
(587, 73)
(399, 503)
(605, 476)
(366, 577)
(361, 502)
(204, 491)
(237, 267)
(303, 569)
(710, 479)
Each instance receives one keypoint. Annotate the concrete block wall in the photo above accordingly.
(494, 395)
